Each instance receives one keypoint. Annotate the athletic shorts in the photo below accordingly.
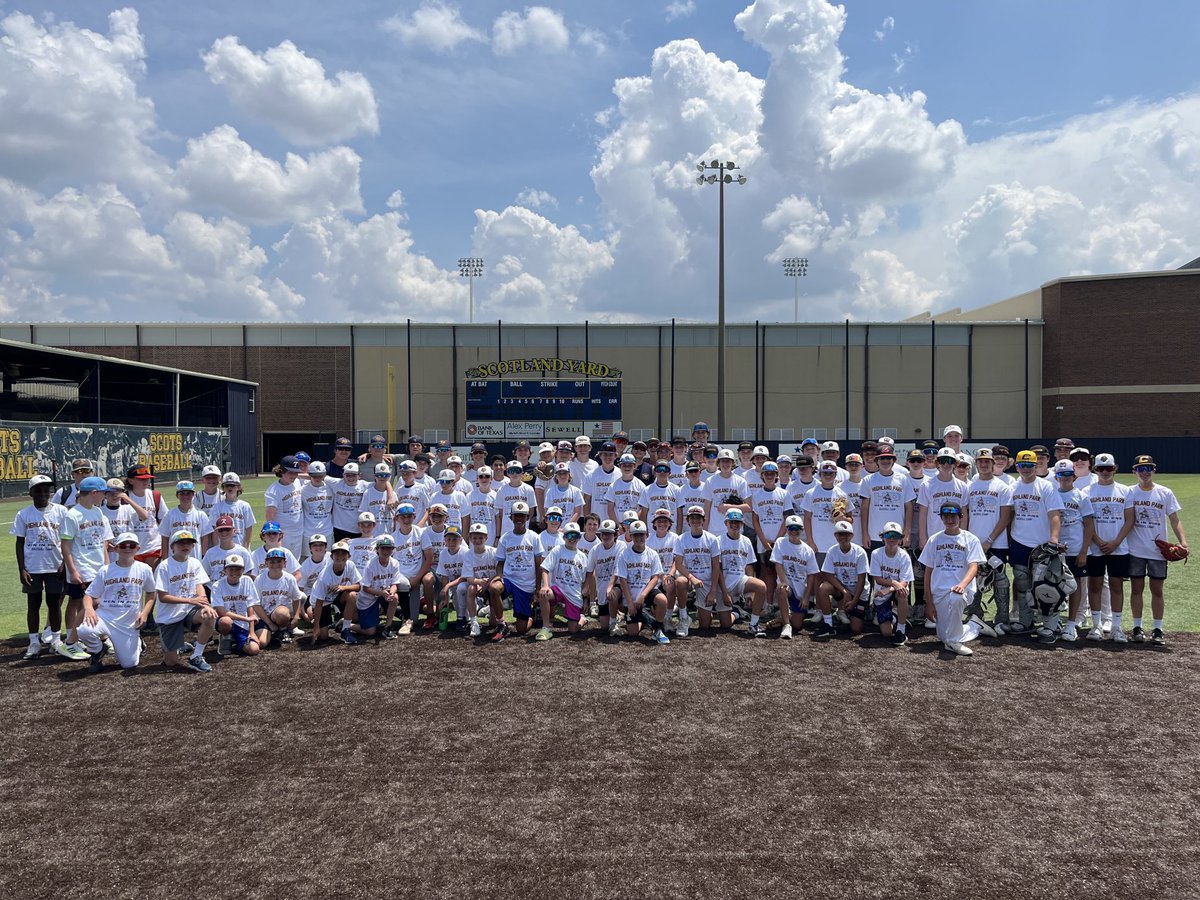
(150, 557)
(1018, 554)
(647, 614)
(522, 600)
(74, 591)
(795, 604)
(884, 612)
(859, 610)
(1154, 569)
(369, 618)
(738, 587)
(570, 611)
(1114, 565)
(238, 635)
(653, 596)
(49, 582)
(820, 554)
(327, 612)
(171, 635)
(1077, 571)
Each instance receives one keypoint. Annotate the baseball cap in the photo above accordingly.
(224, 522)
(637, 526)
(1081, 453)
(700, 426)
(640, 445)
(82, 464)
(554, 511)
(93, 483)
(662, 514)
(727, 454)
(231, 478)
(830, 445)
(983, 453)
(127, 537)
(963, 459)
(443, 447)
(745, 445)
(679, 441)
(139, 472)
(1000, 450)
(271, 527)
(407, 466)
(885, 451)
(290, 463)
(235, 560)
(478, 528)
(695, 510)
(520, 508)
(183, 535)
(478, 448)
(513, 466)
(808, 440)
(366, 517)
(608, 526)
(453, 530)
(828, 466)
(868, 446)
(769, 466)
(340, 545)
(562, 467)
(566, 445)
(406, 509)
(628, 516)
(950, 508)
(760, 451)
(692, 466)
(891, 442)
(1026, 456)
(343, 442)
(316, 468)
(383, 470)
(1064, 467)
(952, 429)
(794, 522)
(351, 468)
(318, 539)
(484, 472)
(303, 457)
(734, 515)
(447, 477)
(804, 461)
(572, 528)
(210, 470)
(115, 484)
(621, 436)
(1065, 442)
(852, 458)
(915, 455)
(784, 460)
(843, 527)
(627, 459)
(276, 553)
(930, 447)
(545, 447)
(1143, 460)
(583, 441)
(181, 486)
(947, 455)
(892, 529)
(454, 460)
(522, 445)
(1040, 449)
(1105, 459)
(439, 508)
(415, 441)
(608, 447)
(662, 467)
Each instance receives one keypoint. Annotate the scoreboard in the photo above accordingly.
(559, 400)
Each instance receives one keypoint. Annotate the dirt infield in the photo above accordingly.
(715, 767)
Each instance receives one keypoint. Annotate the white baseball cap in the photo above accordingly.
(484, 470)
(350, 469)
(952, 429)
(231, 478)
(439, 508)
(891, 442)
(608, 526)
(637, 526)
(520, 508)
(454, 459)
(478, 528)
(408, 466)
(447, 475)
(830, 445)
(572, 528)
(383, 469)
(627, 459)
(318, 539)
(630, 515)
(210, 470)
(695, 510)
(1064, 467)
(793, 522)
(39, 479)
(584, 440)
(843, 527)
(126, 537)
(562, 467)
(316, 467)
(366, 517)
(1105, 459)
(235, 559)
(554, 511)
(827, 466)
(545, 447)
(892, 528)
(965, 458)
(726, 453)
(760, 451)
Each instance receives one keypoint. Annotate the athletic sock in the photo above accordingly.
(1158, 624)
(1116, 621)
(1137, 621)
(346, 623)
(33, 638)
(902, 627)
(827, 619)
(753, 620)
(198, 650)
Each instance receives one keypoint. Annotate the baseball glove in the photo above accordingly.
(545, 471)
(1171, 552)
(841, 510)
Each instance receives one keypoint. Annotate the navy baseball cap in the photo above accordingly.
(343, 442)
(700, 426)
(608, 447)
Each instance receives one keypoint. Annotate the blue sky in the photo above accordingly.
(922, 155)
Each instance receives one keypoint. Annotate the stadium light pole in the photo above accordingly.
(796, 267)
(721, 175)
(470, 267)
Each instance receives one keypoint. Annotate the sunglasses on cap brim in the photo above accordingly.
(950, 511)
(895, 535)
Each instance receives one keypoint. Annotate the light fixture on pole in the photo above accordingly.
(470, 267)
(722, 174)
(796, 267)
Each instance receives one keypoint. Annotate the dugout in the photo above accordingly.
(55, 402)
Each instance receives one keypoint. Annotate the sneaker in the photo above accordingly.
(842, 617)
(406, 628)
(72, 651)
(1096, 634)
(985, 630)
(430, 623)
(1119, 636)
(1158, 637)
(614, 628)
(198, 664)
(349, 638)
(786, 633)
(758, 631)
(34, 650)
(97, 661)
(388, 634)
(297, 631)
(476, 630)
(959, 649)
(1138, 635)
(815, 617)
(931, 625)
(224, 643)
(49, 636)
(825, 632)
(1070, 634)
(685, 624)
(544, 633)
(661, 637)
(500, 634)
(1047, 635)
(1108, 626)
(1015, 628)
(898, 638)
(187, 647)
(285, 636)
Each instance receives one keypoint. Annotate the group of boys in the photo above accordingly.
(641, 538)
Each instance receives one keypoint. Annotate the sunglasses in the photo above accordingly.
(1026, 465)
(893, 535)
(554, 518)
(950, 511)
(127, 546)
(794, 528)
(1142, 470)
(1106, 468)
(378, 446)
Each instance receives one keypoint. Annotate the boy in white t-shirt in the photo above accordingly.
(737, 570)
(484, 588)
(336, 591)
(566, 568)
(86, 534)
(182, 604)
(234, 597)
(639, 571)
(278, 606)
(116, 605)
(796, 574)
(1153, 507)
(38, 530)
(892, 574)
(952, 558)
(843, 579)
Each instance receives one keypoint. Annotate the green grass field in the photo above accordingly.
(1182, 592)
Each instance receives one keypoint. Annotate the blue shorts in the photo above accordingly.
(369, 618)
(795, 604)
(885, 612)
(238, 635)
(522, 601)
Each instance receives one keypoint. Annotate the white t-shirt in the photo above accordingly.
(720, 488)
(506, 496)
(624, 496)
(286, 500)
(949, 556)
(934, 492)
(602, 562)
(656, 497)
(193, 520)
(234, 598)
(456, 506)
(638, 569)
(699, 553)
(273, 592)
(1108, 514)
(567, 569)
(549, 540)
(665, 548)
(120, 519)
(888, 495)
(214, 561)
(568, 499)
(179, 579)
(597, 489)
(376, 502)
(735, 556)
(317, 503)
(328, 580)
(895, 568)
(846, 565)
(147, 529)
(347, 500)
(481, 564)
(1076, 507)
(378, 576)
(798, 561)
(119, 592)
(433, 541)
(450, 565)
(205, 501)
(692, 495)
(408, 551)
(796, 489)
(519, 553)
(581, 472)
(241, 513)
(678, 476)
(258, 560)
(310, 570)
(987, 500)
(770, 506)
(1032, 505)
(483, 511)
(1151, 510)
(87, 530)
(819, 502)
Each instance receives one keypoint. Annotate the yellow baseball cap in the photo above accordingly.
(1026, 456)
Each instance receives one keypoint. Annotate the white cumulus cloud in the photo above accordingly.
(539, 28)
(288, 89)
(679, 9)
(438, 26)
(535, 199)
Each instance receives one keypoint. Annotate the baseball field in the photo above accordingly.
(716, 767)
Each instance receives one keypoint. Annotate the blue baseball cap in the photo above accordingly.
(303, 457)
(734, 515)
(181, 486)
(277, 553)
(93, 483)
(700, 426)
(272, 527)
